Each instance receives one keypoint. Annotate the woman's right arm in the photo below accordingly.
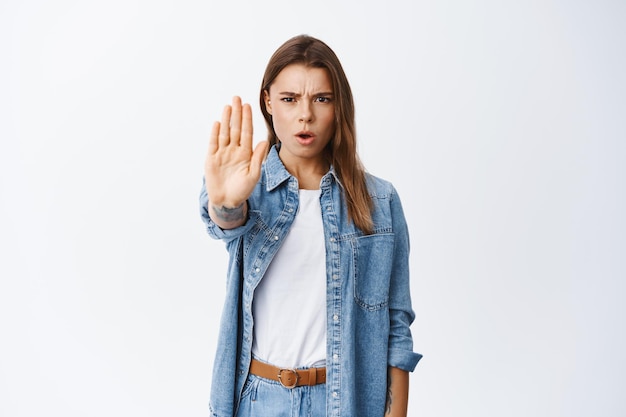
(232, 168)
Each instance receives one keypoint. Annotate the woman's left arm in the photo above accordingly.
(401, 358)
(397, 392)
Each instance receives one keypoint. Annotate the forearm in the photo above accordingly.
(397, 392)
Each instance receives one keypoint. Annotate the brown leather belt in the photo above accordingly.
(289, 378)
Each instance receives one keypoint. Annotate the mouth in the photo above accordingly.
(305, 137)
(305, 134)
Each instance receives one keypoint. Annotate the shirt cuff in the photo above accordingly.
(402, 359)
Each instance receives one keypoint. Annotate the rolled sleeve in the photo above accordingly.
(213, 229)
(400, 354)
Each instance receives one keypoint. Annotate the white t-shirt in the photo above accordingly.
(289, 306)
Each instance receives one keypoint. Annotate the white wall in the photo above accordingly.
(500, 122)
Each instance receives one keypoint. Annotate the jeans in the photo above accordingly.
(265, 398)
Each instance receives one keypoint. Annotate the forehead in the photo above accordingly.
(299, 78)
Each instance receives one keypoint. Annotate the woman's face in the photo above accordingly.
(301, 102)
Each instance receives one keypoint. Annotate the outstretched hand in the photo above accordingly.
(232, 167)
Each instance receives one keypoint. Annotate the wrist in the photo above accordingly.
(226, 216)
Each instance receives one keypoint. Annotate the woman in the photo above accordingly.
(317, 312)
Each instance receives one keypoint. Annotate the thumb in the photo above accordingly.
(260, 150)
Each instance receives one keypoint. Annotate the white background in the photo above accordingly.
(501, 123)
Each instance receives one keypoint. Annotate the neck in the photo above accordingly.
(308, 173)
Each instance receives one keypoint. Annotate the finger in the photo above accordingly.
(260, 151)
(224, 135)
(246, 127)
(215, 131)
(235, 121)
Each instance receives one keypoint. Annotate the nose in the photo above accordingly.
(306, 114)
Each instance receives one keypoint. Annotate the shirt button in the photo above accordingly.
(335, 394)
(332, 239)
(290, 210)
(275, 237)
(336, 317)
(257, 270)
(335, 356)
(335, 276)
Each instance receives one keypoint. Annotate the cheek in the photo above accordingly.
(329, 119)
(278, 120)
(280, 124)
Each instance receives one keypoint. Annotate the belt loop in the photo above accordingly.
(312, 376)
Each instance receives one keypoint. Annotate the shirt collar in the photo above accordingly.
(276, 173)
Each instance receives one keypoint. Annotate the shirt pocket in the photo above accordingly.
(373, 260)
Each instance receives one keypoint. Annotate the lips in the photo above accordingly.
(305, 137)
(305, 134)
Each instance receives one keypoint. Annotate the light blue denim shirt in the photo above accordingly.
(368, 301)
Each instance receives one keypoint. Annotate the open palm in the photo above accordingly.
(232, 167)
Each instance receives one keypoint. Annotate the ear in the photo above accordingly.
(268, 102)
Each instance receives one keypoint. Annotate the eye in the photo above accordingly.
(323, 99)
(287, 99)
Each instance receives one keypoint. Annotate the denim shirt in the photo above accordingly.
(368, 302)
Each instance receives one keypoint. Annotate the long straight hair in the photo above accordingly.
(341, 151)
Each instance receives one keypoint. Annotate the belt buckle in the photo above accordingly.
(280, 378)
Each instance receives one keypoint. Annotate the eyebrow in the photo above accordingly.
(292, 94)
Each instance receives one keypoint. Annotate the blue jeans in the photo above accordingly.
(265, 398)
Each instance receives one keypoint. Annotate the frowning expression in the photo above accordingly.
(301, 102)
